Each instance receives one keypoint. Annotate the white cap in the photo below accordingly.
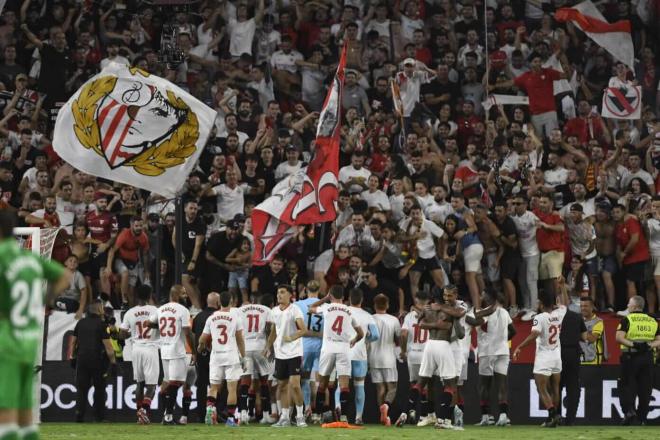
(410, 61)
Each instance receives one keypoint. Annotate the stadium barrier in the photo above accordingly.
(599, 403)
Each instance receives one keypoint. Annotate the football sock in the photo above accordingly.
(413, 398)
(344, 395)
(300, 412)
(172, 392)
(337, 398)
(320, 401)
(445, 405)
(504, 407)
(552, 412)
(461, 404)
(359, 397)
(146, 403)
(28, 433)
(187, 399)
(243, 396)
(274, 409)
(286, 415)
(252, 398)
(485, 409)
(307, 392)
(210, 401)
(264, 392)
(231, 410)
(424, 403)
(331, 392)
(9, 431)
(165, 398)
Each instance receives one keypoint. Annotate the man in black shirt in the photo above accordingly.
(91, 352)
(218, 247)
(374, 285)
(266, 279)
(55, 65)
(193, 233)
(379, 96)
(202, 364)
(573, 330)
(510, 257)
(440, 91)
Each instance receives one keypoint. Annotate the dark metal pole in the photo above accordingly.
(158, 257)
(178, 246)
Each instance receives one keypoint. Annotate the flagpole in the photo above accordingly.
(178, 245)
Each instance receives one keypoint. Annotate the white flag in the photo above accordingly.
(132, 127)
(623, 102)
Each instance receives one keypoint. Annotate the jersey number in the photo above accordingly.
(170, 324)
(27, 302)
(420, 335)
(316, 327)
(143, 330)
(222, 338)
(553, 333)
(253, 323)
(338, 325)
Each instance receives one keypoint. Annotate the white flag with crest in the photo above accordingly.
(129, 126)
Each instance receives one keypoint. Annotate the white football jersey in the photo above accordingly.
(255, 317)
(493, 334)
(455, 342)
(172, 318)
(136, 322)
(338, 327)
(417, 337)
(285, 325)
(381, 352)
(223, 326)
(364, 319)
(549, 326)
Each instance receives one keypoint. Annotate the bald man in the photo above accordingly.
(212, 304)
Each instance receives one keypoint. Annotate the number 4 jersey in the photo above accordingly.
(549, 325)
(338, 327)
(22, 276)
(172, 318)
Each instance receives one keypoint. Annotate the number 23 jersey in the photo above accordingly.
(172, 318)
(549, 326)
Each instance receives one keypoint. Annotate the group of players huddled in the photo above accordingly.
(301, 356)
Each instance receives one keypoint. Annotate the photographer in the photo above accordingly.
(92, 350)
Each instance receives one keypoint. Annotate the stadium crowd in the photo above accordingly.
(444, 189)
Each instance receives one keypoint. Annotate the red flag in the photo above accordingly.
(309, 196)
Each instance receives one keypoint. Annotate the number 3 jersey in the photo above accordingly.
(338, 331)
(22, 276)
(222, 326)
(549, 326)
(172, 318)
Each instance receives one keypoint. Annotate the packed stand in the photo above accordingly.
(444, 189)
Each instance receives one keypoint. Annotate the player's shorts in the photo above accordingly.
(175, 369)
(438, 360)
(338, 361)
(310, 361)
(489, 365)
(551, 265)
(413, 371)
(285, 368)
(257, 365)
(459, 357)
(16, 385)
(359, 368)
(472, 257)
(145, 363)
(547, 363)
(383, 375)
(230, 373)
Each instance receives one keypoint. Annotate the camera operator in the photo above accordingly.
(92, 350)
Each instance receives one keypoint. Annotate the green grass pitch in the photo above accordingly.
(120, 431)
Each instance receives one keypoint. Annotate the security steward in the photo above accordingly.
(573, 331)
(638, 334)
(202, 365)
(93, 359)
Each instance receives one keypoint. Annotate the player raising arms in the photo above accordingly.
(22, 276)
(338, 339)
(382, 358)
(286, 341)
(412, 343)
(257, 321)
(437, 358)
(547, 361)
(173, 323)
(457, 309)
(144, 341)
(224, 330)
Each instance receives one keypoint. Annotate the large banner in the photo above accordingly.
(599, 402)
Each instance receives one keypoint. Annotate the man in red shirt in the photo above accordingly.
(632, 249)
(588, 125)
(537, 83)
(132, 245)
(550, 239)
(102, 226)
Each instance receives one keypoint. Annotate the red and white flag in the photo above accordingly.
(613, 37)
(309, 196)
